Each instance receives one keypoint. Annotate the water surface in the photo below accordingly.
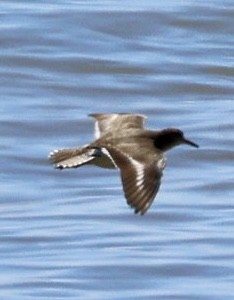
(70, 234)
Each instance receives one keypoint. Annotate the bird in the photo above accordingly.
(123, 143)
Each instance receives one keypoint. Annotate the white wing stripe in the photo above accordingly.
(97, 132)
(140, 171)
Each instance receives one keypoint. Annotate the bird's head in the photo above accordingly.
(171, 137)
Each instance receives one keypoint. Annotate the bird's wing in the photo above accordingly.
(71, 157)
(105, 123)
(141, 177)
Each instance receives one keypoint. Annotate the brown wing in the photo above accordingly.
(116, 122)
(71, 157)
(140, 178)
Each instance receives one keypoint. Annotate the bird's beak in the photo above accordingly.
(188, 142)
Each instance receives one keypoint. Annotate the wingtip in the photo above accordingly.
(59, 167)
(52, 153)
(141, 212)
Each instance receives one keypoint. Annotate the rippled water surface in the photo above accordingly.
(70, 234)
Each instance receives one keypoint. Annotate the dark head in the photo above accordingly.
(171, 137)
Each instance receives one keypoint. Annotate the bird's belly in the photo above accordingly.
(104, 162)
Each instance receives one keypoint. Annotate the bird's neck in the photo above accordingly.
(164, 141)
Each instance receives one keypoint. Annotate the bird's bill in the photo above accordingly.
(188, 142)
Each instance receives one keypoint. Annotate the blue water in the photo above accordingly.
(70, 234)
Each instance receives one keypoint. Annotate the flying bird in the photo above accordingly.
(123, 143)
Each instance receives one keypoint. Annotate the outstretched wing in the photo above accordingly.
(71, 157)
(116, 122)
(141, 178)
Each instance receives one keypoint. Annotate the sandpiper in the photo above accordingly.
(123, 143)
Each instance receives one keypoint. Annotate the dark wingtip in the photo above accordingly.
(59, 168)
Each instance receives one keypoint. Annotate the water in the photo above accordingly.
(70, 234)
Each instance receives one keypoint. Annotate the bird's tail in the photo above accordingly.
(71, 157)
